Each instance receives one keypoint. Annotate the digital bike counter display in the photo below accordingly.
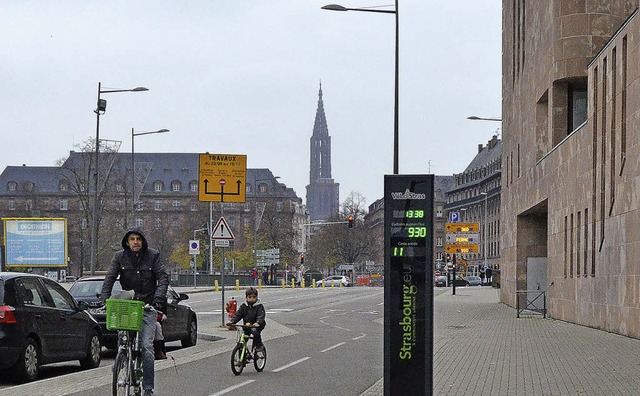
(408, 292)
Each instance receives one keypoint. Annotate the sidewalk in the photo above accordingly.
(481, 348)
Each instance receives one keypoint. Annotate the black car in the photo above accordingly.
(181, 323)
(41, 323)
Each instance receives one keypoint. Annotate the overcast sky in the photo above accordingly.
(242, 77)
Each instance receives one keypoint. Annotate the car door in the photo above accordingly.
(69, 338)
(175, 326)
(37, 316)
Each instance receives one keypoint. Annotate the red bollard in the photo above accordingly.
(231, 307)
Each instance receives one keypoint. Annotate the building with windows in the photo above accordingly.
(166, 205)
(475, 196)
(570, 203)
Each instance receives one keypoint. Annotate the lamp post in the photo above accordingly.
(133, 166)
(476, 118)
(100, 110)
(485, 228)
(336, 7)
(258, 218)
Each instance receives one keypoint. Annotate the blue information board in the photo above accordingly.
(31, 242)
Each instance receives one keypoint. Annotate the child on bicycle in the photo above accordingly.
(251, 312)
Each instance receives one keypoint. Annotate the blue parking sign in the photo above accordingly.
(454, 217)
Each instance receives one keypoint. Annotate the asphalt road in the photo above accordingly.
(318, 340)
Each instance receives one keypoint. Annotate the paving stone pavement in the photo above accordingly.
(482, 348)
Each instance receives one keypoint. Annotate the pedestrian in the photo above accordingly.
(252, 314)
(265, 277)
(254, 276)
(141, 269)
(488, 273)
(482, 277)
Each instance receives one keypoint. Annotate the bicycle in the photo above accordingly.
(126, 317)
(243, 355)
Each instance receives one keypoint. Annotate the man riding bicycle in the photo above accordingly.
(140, 269)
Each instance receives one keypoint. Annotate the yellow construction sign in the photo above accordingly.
(222, 178)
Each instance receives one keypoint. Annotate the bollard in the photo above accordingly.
(302, 283)
(333, 282)
(283, 284)
(259, 284)
(216, 285)
(237, 284)
(293, 283)
(340, 284)
(313, 283)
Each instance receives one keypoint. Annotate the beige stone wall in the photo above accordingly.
(560, 188)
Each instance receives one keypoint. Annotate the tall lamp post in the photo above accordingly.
(336, 7)
(133, 165)
(485, 228)
(100, 110)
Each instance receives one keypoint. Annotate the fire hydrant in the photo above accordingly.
(231, 307)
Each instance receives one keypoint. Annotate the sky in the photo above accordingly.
(242, 77)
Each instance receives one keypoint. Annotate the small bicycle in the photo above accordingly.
(126, 317)
(243, 355)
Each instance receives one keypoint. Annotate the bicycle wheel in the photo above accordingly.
(260, 358)
(237, 360)
(121, 374)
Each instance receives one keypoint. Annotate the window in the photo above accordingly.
(439, 211)
(11, 186)
(249, 188)
(28, 186)
(193, 186)
(194, 206)
(28, 205)
(139, 205)
(157, 186)
(158, 223)
(12, 204)
(439, 241)
(83, 224)
(83, 187)
(246, 222)
(63, 186)
(175, 186)
(27, 292)
(175, 203)
(61, 299)
(262, 188)
(279, 206)
(119, 187)
(577, 105)
(157, 205)
(247, 206)
(64, 204)
(139, 222)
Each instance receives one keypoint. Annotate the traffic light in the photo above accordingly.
(448, 258)
(302, 259)
(350, 218)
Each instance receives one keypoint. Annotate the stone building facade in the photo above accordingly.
(570, 203)
(167, 206)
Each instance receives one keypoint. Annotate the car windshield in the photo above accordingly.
(91, 288)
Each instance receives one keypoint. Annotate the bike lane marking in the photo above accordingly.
(232, 388)
(332, 347)
(290, 364)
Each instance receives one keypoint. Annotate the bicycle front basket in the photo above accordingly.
(124, 314)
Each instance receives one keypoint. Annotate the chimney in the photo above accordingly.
(479, 148)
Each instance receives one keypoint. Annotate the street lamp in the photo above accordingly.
(485, 227)
(476, 118)
(336, 7)
(258, 218)
(133, 165)
(100, 110)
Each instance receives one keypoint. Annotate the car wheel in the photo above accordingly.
(192, 334)
(92, 360)
(26, 368)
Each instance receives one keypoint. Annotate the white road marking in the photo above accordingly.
(359, 337)
(332, 347)
(232, 388)
(290, 364)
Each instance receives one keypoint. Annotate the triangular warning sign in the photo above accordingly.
(222, 231)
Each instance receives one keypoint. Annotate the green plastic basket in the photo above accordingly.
(124, 314)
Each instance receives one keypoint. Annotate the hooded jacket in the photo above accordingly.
(143, 272)
(253, 313)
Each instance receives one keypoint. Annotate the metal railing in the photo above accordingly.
(531, 301)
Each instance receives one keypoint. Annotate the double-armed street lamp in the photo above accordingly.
(336, 7)
(133, 165)
(100, 110)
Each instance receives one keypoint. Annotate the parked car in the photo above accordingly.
(473, 280)
(41, 323)
(334, 280)
(181, 323)
(441, 281)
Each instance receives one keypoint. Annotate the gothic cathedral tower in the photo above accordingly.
(322, 191)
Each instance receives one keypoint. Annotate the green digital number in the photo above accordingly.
(417, 232)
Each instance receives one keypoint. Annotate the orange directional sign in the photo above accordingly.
(222, 178)
(462, 227)
(460, 248)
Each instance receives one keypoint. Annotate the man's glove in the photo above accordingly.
(158, 306)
